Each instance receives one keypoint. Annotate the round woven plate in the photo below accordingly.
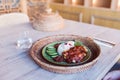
(36, 53)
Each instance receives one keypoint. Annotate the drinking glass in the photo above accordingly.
(24, 41)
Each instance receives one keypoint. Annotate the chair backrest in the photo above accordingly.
(13, 19)
(8, 6)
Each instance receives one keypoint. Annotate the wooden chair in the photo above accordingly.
(12, 19)
(8, 6)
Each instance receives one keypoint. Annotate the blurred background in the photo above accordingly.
(98, 12)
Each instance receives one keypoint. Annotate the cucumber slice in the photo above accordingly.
(54, 56)
(51, 52)
(48, 51)
(51, 49)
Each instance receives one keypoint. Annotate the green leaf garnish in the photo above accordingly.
(78, 43)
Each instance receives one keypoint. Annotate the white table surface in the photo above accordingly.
(16, 64)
